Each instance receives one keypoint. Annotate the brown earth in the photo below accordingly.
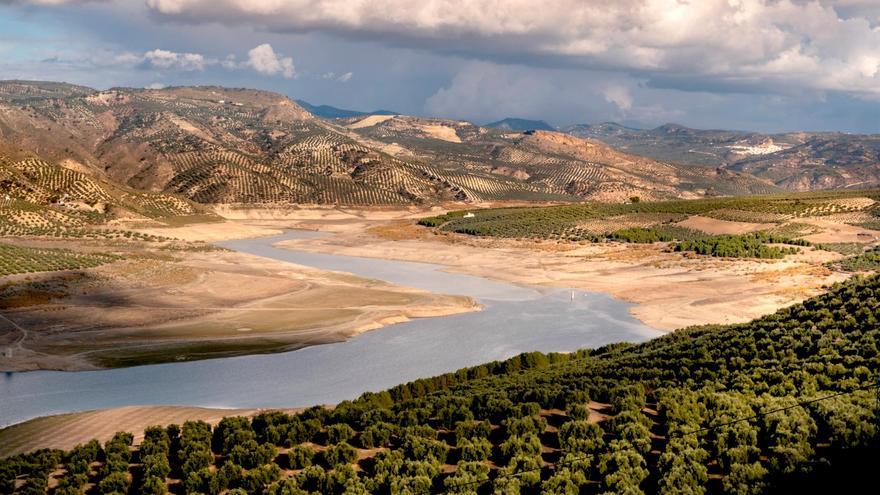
(195, 304)
(669, 290)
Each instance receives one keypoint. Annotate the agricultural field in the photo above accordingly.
(16, 259)
(784, 404)
(780, 219)
(866, 261)
(45, 199)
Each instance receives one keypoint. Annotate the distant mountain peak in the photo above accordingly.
(673, 128)
(331, 112)
(514, 124)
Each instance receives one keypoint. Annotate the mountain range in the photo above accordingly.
(512, 124)
(215, 145)
(798, 161)
(331, 112)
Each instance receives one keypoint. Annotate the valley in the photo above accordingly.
(188, 298)
(318, 247)
(472, 305)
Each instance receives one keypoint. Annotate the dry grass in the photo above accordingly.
(716, 227)
(400, 231)
(614, 223)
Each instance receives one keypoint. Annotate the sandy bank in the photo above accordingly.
(200, 304)
(670, 290)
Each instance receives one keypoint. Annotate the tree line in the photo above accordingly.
(736, 409)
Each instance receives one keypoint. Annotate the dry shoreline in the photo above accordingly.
(669, 290)
(145, 310)
(240, 301)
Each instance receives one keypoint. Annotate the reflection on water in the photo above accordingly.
(514, 319)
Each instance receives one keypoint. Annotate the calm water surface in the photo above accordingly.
(514, 319)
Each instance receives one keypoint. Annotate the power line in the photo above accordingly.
(573, 460)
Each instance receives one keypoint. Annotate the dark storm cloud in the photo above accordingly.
(766, 65)
(806, 44)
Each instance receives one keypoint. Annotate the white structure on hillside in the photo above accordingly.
(469, 215)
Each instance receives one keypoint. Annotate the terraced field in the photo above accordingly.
(17, 259)
(48, 199)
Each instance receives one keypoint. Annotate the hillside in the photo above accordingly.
(832, 161)
(219, 145)
(543, 163)
(799, 161)
(511, 124)
(209, 144)
(784, 404)
(65, 199)
(686, 145)
(331, 112)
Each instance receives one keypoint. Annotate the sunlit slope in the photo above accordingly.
(221, 145)
(46, 198)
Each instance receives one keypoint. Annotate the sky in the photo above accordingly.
(763, 65)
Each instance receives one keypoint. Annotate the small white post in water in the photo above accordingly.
(572, 295)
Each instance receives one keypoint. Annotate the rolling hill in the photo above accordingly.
(240, 146)
(681, 144)
(798, 161)
(826, 161)
(208, 144)
(331, 112)
(543, 162)
(64, 199)
(511, 124)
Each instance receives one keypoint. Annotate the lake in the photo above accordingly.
(514, 319)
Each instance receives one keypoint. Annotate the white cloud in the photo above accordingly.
(264, 60)
(340, 78)
(619, 96)
(160, 59)
(736, 44)
(164, 59)
(484, 91)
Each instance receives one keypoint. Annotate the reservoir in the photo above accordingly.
(514, 319)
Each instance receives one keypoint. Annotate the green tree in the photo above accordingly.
(341, 453)
(300, 456)
(339, 433)
(745, 479)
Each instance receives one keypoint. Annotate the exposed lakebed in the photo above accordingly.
(514, 319)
